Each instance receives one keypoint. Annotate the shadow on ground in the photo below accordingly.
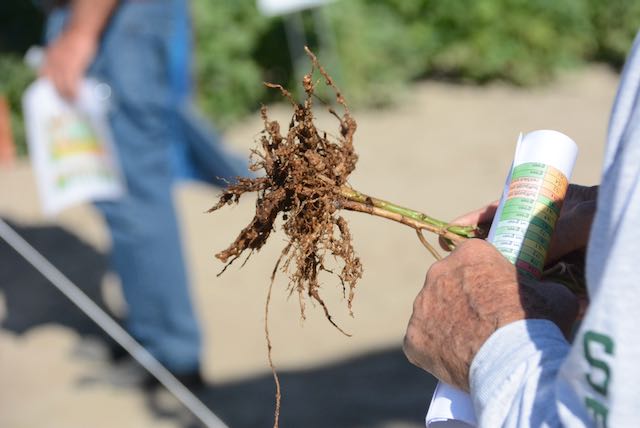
(31, 300)
(379, 389)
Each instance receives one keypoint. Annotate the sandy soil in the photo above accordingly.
(444, 151)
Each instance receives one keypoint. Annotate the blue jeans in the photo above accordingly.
(144, 57)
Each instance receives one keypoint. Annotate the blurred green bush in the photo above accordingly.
(15, 76)
(229, 77)
(382, 45)
(20, 27)
(614, 24)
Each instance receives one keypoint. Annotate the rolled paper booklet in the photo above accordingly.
(521, 230)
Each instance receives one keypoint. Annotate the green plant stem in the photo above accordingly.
(357, 201)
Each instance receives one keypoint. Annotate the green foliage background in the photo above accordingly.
(14, 79)
(20, 27)
(379, 46)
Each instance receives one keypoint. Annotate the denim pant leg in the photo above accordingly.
(147, 249)
(199, 151)
(146, 253)
(146, 246)
(213, 161)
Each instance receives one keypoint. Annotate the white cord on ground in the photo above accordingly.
(111, 327)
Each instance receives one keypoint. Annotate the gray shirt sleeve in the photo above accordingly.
(514, 377)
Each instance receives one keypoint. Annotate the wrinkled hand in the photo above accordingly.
(67, 59)
(465, 298)
(571, 231)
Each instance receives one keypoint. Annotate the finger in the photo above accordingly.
(44, 71)
(69, 85)
(445, 244)
(72, 84)
(479, 216)
(474, 218)
(58, 81)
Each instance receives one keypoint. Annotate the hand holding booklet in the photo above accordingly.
(70, 145)
(521, 230)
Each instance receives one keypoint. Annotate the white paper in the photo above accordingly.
(451, 407)
(70, 145)
(282, 7)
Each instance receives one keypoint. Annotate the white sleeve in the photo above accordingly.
(515, 379)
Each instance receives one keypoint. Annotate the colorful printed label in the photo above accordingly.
(76, 152)
(72, 135)
(529, 215)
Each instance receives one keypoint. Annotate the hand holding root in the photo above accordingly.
(468, 296)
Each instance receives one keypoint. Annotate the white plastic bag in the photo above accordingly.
(70, 145)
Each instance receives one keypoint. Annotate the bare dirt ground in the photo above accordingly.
(445, 151)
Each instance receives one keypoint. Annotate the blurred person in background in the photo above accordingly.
(480, 327)
(142, 50)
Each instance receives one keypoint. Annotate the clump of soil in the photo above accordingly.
(304, 170)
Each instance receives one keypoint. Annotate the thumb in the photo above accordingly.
(481, 216)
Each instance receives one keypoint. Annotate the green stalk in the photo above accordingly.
(404, 215)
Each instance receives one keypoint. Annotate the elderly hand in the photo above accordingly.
(67, 59)
(465, 298)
